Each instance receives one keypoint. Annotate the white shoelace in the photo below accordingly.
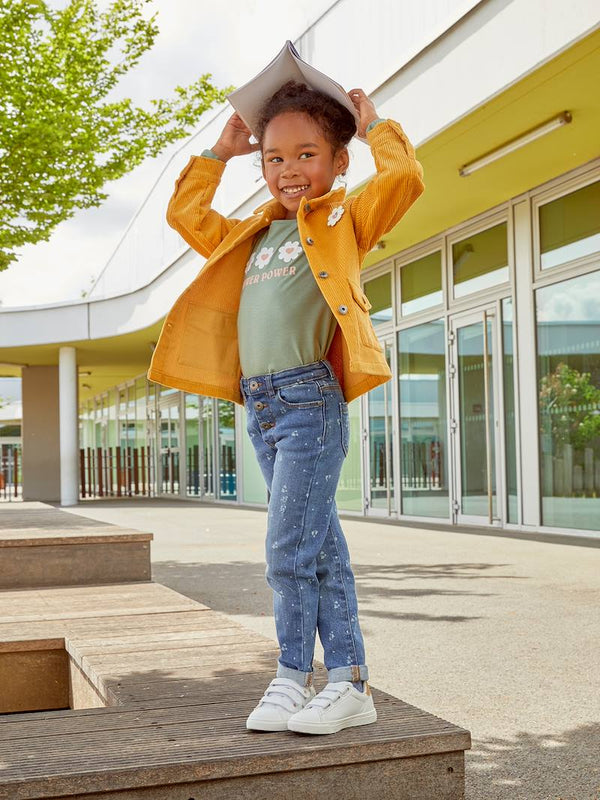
(283, 691)
(329, 695)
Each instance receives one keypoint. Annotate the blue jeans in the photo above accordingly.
(297, 420)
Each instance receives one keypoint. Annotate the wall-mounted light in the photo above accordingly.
(514, 144)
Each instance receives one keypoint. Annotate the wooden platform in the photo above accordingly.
(151, 691)
(48, 547)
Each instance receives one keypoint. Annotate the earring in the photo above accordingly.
(342, 179)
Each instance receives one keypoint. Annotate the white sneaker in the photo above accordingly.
(339, 705)
(282, 698)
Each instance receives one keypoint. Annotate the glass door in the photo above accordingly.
(379, 437)
(475, 422)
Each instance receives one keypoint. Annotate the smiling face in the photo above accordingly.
(298, 161)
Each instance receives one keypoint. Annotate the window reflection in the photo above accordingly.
(570, 226)
(379, 293)
(568, 334)
(421, 284)
(480, 261)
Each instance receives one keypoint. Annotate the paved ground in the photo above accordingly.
(498, 635)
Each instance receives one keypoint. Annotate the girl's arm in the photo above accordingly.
(189, 210)
(397, 184)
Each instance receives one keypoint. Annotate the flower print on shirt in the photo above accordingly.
(335, 215)
(264, 256)
(289, 251)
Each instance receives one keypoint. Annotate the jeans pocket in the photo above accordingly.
(303, 394)
(345, 426)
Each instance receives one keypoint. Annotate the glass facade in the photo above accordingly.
(443, 440)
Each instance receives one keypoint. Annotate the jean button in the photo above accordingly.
(259, 405)
(266, 425)
(253, 384)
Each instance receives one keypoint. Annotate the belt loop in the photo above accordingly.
(269, 384)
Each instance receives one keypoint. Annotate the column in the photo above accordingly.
(69, 433)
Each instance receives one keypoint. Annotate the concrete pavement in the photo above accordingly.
(496, 634)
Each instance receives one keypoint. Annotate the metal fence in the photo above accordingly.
(11, 479)
(115, 472)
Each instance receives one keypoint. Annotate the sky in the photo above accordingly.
(232, 41)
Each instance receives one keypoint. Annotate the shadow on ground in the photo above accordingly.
(239, 587)
(563, 766)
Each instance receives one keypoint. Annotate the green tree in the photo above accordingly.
(63, 136)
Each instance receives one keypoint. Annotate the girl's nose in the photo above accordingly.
(289, 170)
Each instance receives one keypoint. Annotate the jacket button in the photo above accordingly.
(343, 309)
(323, 274)
(309, 240)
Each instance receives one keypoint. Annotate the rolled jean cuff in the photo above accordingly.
(303, 678)
(351, 673)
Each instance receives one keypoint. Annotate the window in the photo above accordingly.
(480, 261)
(379, 293)
(568, 341)
(570, 226)
(421, 284)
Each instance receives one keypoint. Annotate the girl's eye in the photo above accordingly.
(274, 160)
(306, 154)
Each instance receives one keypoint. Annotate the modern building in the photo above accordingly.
(486, 296)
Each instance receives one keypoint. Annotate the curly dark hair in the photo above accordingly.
(337, 122)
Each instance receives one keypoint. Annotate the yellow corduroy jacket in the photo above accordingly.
(198, 347)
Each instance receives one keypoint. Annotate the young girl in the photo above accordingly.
(277, 321)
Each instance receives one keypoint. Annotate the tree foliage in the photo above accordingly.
(570, 406)
(63, 136)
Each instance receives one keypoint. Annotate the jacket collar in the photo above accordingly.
(273, 209)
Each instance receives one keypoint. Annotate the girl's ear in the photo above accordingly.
(342, 161)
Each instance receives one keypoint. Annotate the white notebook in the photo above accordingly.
(287, 65)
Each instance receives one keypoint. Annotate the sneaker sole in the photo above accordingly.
(333, 727)
(281, 725)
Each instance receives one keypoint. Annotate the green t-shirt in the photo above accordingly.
(283, 319)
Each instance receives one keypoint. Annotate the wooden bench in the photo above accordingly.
(161, 688)
(45, 546)
(132, 691)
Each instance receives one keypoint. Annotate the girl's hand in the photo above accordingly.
(234, 140)
(365, 108)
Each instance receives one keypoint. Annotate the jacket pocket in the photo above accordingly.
(208, 340)
(366, 333)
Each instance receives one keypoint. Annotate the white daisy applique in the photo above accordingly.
(289, 251)
(264, 256)
(335, 216)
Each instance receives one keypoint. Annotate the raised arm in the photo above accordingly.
(397, 183)
(189, 210)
